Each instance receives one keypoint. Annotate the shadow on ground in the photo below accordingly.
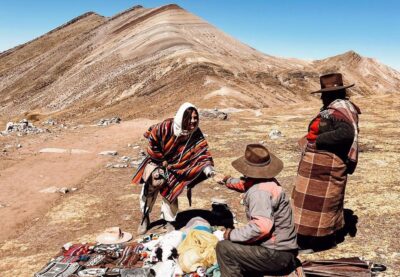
(219, 216)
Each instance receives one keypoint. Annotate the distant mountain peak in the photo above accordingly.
(351, 55)
(94, 66)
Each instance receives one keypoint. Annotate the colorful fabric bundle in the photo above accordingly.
(128, 257)
(77, 250)
(138, 248)
(186, 159)
(58, 269)
(96, 260)
(109, 249)
(70, 259)
(92, 272)
(318, 194)
(196, 223)
(138, 272)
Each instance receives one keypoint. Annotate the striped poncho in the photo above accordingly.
(186, 158)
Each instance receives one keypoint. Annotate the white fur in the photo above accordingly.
(167, 243)
(165, 269)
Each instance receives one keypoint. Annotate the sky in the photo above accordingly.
(304, 29)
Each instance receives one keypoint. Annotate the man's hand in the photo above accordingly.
(219, 178)
(227, 233)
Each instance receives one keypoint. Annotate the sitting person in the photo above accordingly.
(267, 244)
(178, 157)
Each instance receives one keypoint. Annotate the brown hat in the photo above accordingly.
(258, 162)
(331, 82)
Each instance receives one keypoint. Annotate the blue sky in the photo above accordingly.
(305, 29)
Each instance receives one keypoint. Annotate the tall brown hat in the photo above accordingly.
(331, 82)
(258, 162)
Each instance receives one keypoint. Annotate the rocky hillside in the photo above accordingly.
(143, 62)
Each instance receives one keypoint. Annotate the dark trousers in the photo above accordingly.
(237, 259)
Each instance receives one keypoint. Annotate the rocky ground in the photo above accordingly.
(42, 222)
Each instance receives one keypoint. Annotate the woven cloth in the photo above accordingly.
(318, 195)
(129, 257)
(186, 159)
(58, 269)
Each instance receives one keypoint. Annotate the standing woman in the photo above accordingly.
(178, 158)
(331, 152)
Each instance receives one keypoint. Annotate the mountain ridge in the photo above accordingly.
(97, 66)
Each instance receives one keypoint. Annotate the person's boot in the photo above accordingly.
(142, 229)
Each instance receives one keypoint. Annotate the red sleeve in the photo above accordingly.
(238, 184)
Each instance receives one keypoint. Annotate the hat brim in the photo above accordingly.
(104, 238)
(332, 89)
(268, 171)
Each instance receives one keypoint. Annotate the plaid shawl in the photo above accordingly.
(342, 109)
(186, 159)
(318, 195)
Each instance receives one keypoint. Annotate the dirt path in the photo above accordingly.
(22, 181)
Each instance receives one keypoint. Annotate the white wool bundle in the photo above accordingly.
(166, 245)
(165, 269)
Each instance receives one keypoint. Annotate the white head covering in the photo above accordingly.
(179, 118)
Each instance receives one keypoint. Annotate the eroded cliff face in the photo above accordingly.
(145, 62)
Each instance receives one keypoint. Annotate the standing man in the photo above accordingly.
(330, 153)
(178, 158)
(267, 243)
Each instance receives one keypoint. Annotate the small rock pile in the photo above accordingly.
(50, 122)
(126, 161)
(22, 128)
(275, 134)
(108, 121)
(213, 114)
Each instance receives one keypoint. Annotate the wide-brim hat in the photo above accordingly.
(113, 235)
(258, 162)
(331, 83)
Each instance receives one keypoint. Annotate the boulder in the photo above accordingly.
(213, 114)
(108, 121)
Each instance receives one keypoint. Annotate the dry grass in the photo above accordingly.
(107, 199)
